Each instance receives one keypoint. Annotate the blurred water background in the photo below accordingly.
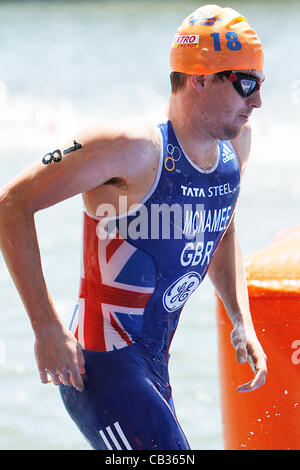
(65, 65)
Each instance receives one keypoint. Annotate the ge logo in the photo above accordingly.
(174, 155)
(177, 294)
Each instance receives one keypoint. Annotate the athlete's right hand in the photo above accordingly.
(59, 356)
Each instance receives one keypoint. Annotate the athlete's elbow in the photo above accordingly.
(4, 199)
(12, 204)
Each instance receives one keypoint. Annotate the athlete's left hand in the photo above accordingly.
(248, 348)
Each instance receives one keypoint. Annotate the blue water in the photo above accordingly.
(65, 65)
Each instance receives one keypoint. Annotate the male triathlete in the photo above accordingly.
(159, 204)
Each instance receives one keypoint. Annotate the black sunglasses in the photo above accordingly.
(244, 84)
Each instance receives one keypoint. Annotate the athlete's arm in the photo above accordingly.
(227, 274)
(81, 165)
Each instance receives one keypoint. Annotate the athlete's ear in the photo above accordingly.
(198, 82)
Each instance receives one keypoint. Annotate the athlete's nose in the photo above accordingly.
(255, 100)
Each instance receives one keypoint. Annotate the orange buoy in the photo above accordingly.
(269, 417)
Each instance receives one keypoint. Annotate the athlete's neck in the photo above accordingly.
(196, 142)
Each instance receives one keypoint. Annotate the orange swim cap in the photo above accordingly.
(213, 39)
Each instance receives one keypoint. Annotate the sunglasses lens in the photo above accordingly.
(245, 85)
(248, 86)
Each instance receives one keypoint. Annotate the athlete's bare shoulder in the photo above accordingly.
(144, 137)
(131, 150)
(135, 139)
(120, 150)
(242, 145)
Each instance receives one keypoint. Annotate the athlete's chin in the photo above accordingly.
(230, 132)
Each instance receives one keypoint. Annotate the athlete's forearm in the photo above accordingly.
(58, 355)
(19, 245)
(228, 277)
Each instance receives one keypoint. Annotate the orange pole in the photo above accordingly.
(268, 418)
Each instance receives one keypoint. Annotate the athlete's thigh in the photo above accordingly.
(130, 415)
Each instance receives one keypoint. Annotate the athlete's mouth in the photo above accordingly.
(245, 115)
